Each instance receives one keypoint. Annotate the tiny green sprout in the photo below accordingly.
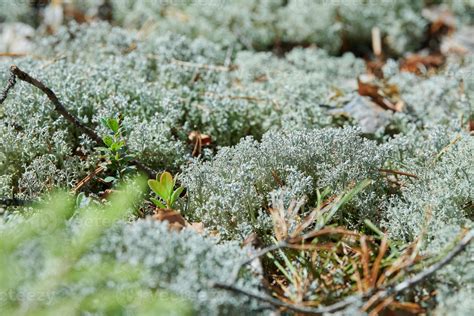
(163, 186)
(114, 151)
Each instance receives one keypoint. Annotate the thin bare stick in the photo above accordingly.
(58, 107)
(260, 253)
(13, 55)
(325, 231)
(203, 66)
(10, 85)
(88, 178)
(432, 269)
(236, 97)
(402, 173)
(299, 309)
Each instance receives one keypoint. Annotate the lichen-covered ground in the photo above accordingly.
(300, 167)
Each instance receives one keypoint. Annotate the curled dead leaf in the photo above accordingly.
(175, 220)
(199, 140)
(383, 94)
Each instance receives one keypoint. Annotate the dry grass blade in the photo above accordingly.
(88, 178)
(376, 266)
(307, 221)
(383, 296)
(322, 232)
(365, 256)
(397, 172)
(279, 224)
(358, 279)
(376, 311)
(412, 308)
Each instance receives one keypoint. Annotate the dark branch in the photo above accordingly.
(10, 85)
(58, 107)
(299, 309)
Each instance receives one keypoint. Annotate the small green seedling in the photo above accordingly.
(163, 186)
(114, 151)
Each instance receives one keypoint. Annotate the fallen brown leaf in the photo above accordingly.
(374, 67)
(383, 94)
(420, 63)
(442, 20)
(175, 220)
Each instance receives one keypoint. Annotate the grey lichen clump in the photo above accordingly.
(170, 96)
(183, 263)
(173, 93)
(441, 160)
(437, 207)
(89, 254)
(281, 127)
(230, 193)
(444, 96)
(262, 24)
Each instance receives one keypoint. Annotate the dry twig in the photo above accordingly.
(88, 178)
(59, 107)
(10, 85)
(12, 55)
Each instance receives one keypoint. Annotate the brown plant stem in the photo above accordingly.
(397, 172)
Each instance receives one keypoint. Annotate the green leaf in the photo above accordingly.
(175, 195)
(121, 144)
(159, 189)
(113, 124)
(109, 179)
(115, 147)
(81, 197)
(166, 179)
(157, 203)
(374, 228)
(102, 149)
(128, 169)
(104, 122)
(108, 140)
(343, 199)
